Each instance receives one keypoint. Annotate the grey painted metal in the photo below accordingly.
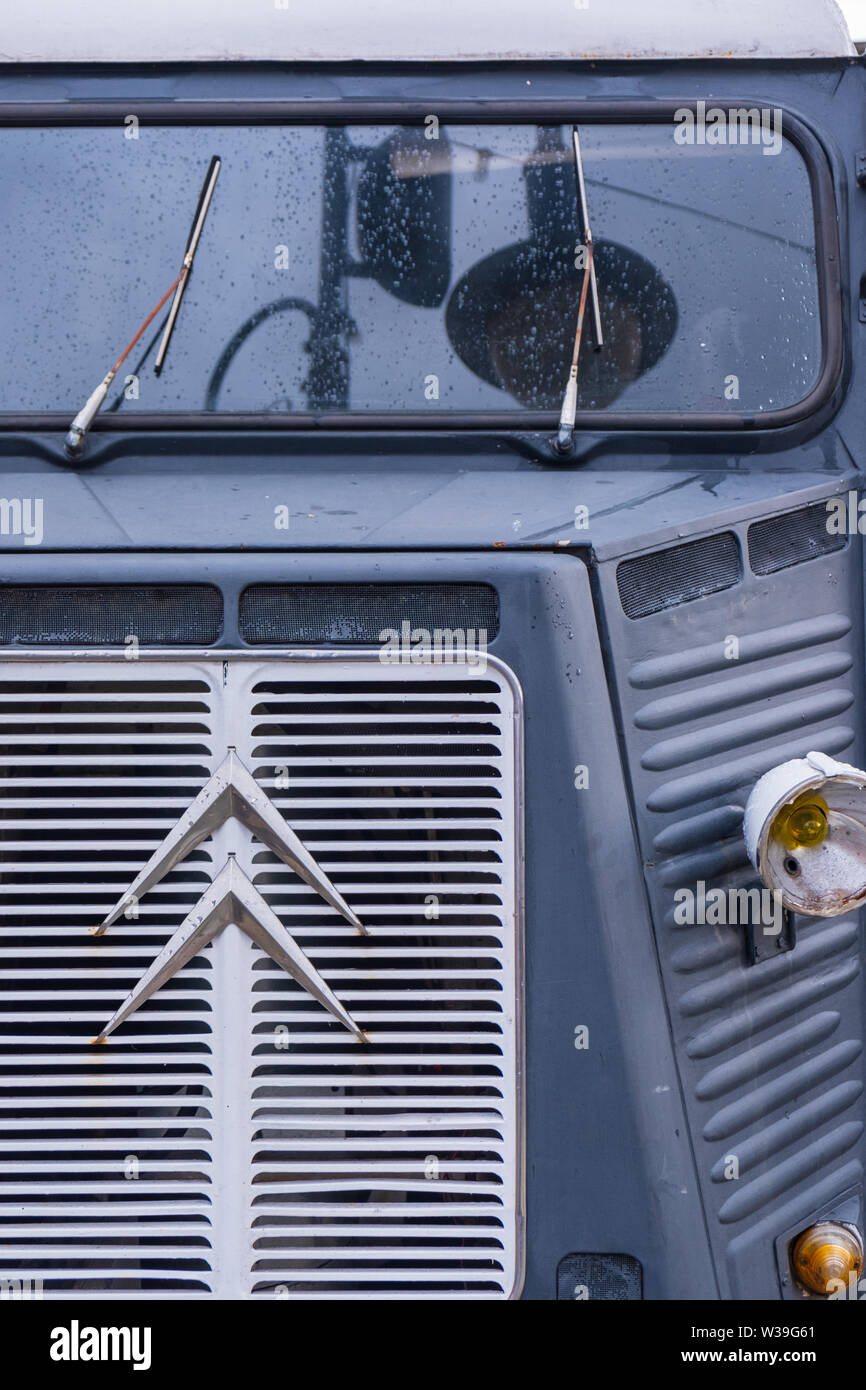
(437, 502)
(699, 1048)
(712, 694)
(338, 31)
(592, 957)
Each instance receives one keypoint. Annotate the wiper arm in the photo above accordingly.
(564, 441)
(84, 419)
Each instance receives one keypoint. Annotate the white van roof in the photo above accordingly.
(81, 31)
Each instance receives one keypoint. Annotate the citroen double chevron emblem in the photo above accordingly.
(232, 897)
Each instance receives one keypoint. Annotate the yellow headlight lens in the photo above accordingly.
(802, 824)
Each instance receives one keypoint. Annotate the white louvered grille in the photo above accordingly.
(390, 1167)
(232, 1138)
(104, 1152)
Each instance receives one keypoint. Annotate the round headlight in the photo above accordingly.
(805, 831)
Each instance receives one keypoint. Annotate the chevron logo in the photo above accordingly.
(232, 898)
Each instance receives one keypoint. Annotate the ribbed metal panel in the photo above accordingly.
(742, 1073)
(770, 1053)
(768, 1063)
(231, 1138)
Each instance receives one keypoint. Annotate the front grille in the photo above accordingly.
(106, 1153)
(232, 1139)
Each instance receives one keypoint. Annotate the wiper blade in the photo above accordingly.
(564, 441)
(84, 419)
(204, 200)
(584, 217)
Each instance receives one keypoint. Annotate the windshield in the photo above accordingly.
(427, 268)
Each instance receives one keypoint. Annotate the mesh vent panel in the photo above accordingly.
(650, 583)
(104, 615)
(311, 613)
(790, 539)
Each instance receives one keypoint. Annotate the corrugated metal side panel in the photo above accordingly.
(713, 694)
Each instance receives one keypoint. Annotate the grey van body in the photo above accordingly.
(648, 1054)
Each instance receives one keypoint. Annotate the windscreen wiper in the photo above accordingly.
(205, 196)
(564, 441)
(84, 419)
(584, 217)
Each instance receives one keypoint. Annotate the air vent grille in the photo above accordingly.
(791, 539)
(603, 1278)
(389, 1169)
(310, 614)
(107, 615)
(650, 583)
